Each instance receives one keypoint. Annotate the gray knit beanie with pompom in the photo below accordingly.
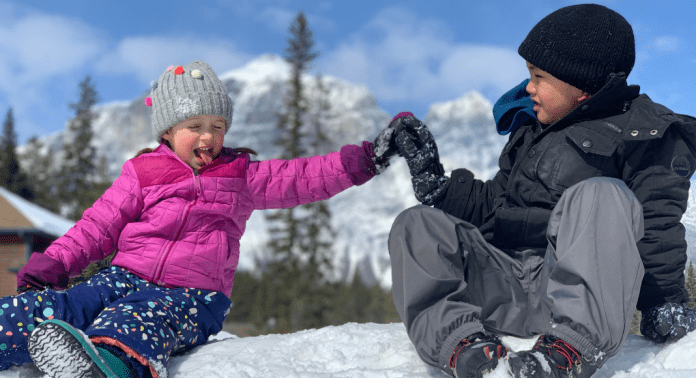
(182, 92)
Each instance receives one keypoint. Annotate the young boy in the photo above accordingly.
(580, 224)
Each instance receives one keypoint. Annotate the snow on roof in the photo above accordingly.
(42, 219)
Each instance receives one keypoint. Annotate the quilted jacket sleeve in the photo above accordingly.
(96, 234)
(276, 184)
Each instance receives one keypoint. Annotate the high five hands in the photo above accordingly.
(410, 138)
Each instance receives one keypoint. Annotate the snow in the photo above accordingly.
(266, 68)
(381, 351)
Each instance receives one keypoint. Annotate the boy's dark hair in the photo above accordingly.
(581, 45)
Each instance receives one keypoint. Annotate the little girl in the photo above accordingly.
(175, 216)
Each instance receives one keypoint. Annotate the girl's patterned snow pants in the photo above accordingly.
(118, 308)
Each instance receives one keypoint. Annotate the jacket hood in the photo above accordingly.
(515, 107)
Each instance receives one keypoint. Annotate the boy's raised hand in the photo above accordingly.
(384, 145)
(417, 145)
(668, 322)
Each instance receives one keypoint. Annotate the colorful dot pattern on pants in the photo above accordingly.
(151, 320)
(19, 315)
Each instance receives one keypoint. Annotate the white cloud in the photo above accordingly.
(43, 55)
(37, 47)
(655, 49)
(667, 43)
(276, 18)
(37, 50)
(277, 15)
(400, 57)
(147, 57)
(483, 67)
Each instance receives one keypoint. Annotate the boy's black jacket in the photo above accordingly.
(616, 133)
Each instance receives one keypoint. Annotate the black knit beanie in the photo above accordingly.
(581, 45)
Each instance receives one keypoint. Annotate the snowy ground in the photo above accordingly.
(380, 351)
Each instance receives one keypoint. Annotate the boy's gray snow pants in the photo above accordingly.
(449, 283)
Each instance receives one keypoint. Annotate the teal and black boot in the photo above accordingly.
(62, 351)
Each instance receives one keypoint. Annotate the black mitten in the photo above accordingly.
(415, 143)
(667, 322)
(385, 145)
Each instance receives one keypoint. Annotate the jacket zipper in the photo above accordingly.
(187, 210)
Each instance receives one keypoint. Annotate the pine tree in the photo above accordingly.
(12, 176)
(634, 328)
(102, 180)
(359, 299)
(8, 163)
(317, 224)
(300, 238)
(40, 168)
(691, 284)
(284, 223)
(315, 232)
(381, 308)
(246, 285)
(80, 181)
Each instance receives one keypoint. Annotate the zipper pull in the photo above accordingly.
(197, 181)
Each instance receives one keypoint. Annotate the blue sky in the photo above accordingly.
(410, 54)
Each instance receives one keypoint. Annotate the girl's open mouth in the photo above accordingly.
(204, 155)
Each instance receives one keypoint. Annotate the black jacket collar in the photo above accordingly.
(614, 97)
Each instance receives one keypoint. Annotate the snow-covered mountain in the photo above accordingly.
(361, 217)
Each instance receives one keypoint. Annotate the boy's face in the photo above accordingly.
(553, 98)
(197, 140)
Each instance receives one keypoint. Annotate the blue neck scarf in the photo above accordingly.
(513, 109)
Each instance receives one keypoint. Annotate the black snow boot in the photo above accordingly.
(476, 355)
(550, 358)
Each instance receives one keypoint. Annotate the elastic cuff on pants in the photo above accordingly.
(105, 340)
(591, 353)
(459, 334)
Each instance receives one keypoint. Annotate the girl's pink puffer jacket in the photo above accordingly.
(179, 228)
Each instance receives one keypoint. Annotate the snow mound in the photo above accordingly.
(381, 351)
(351, 350)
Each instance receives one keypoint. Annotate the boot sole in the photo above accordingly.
(61, 351)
